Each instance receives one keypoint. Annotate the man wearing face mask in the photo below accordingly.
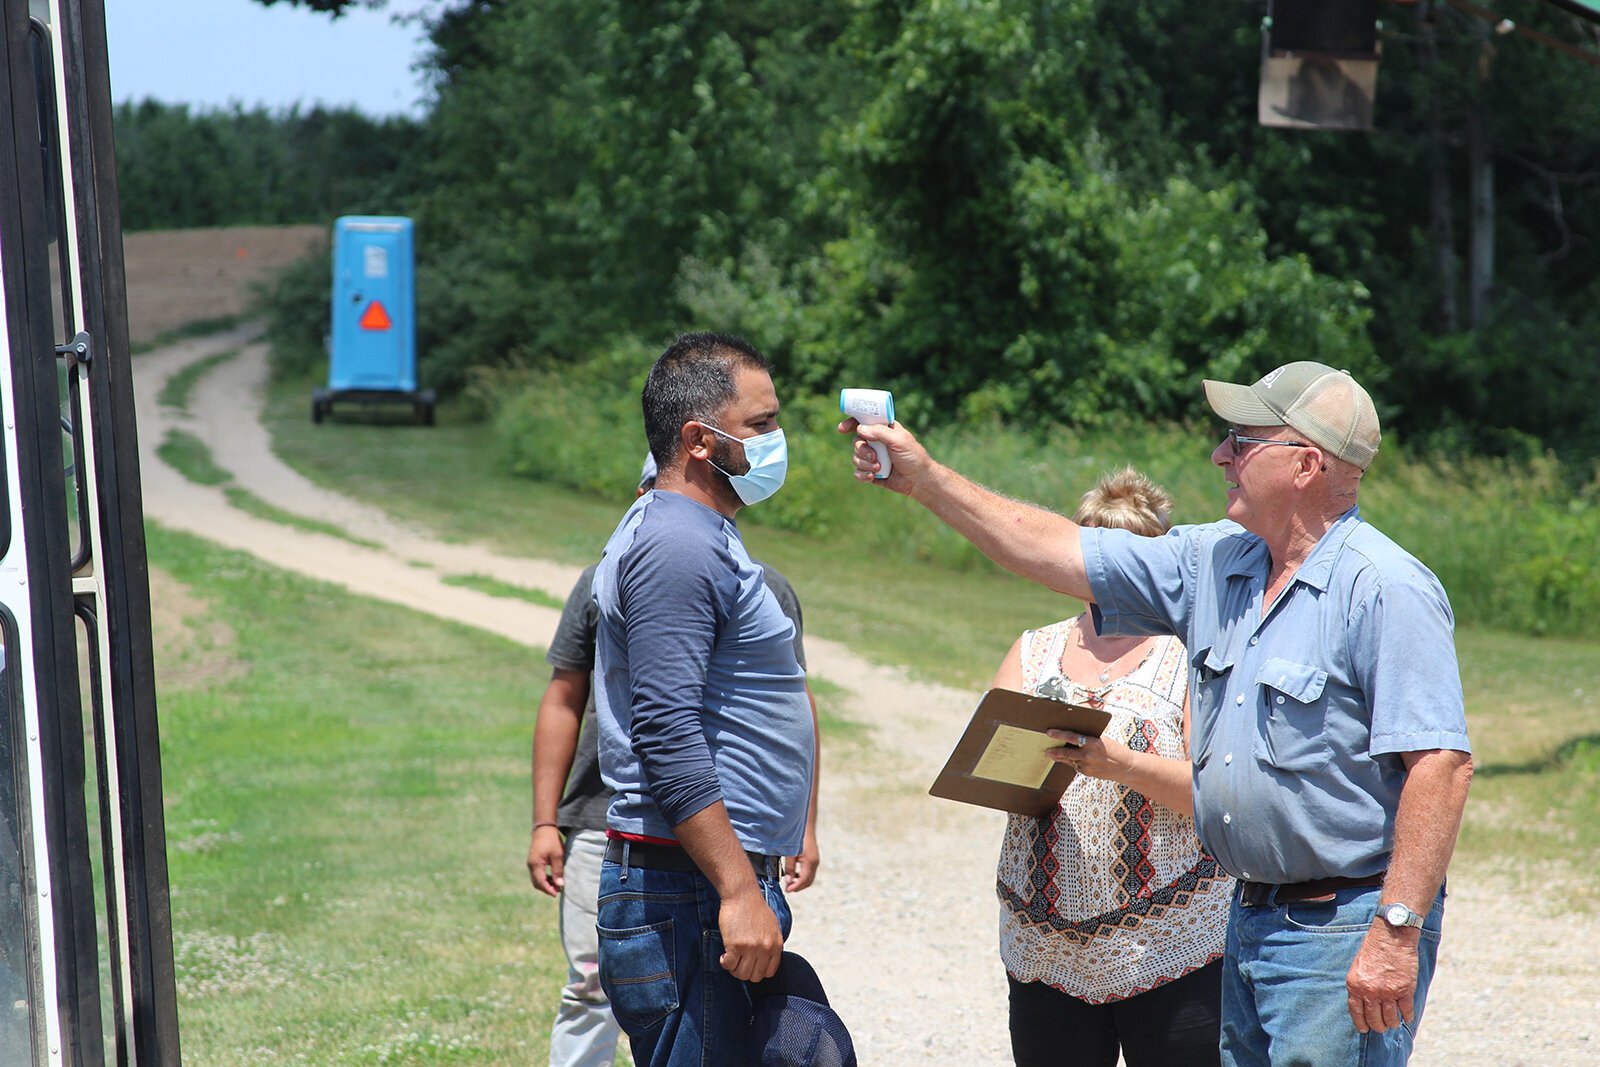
(706, 733)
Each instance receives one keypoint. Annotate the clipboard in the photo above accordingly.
(999, 761)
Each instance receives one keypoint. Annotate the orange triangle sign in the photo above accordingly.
(375, 317)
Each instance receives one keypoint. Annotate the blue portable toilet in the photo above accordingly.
(372, 349)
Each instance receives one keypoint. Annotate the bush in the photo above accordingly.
(295, 303)
(577, 426)
(1499, 533)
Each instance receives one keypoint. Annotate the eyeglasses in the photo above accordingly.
(1237, 439)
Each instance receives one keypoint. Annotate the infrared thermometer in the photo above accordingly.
(871, 407)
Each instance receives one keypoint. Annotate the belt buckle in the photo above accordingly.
(1255, 894)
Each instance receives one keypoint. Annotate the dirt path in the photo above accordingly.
(902, 923)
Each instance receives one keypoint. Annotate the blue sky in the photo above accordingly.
(213, 53)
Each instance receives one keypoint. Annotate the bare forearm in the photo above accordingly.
(549, 775)
(1167, 781)
(555, 740)
(1037, 544)
(1163, 779)
(752, 940)
(1383, 977)
(708, 837)
(1425, 826)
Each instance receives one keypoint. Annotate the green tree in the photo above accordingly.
(998, 259)
(178, 167)
(580, 152)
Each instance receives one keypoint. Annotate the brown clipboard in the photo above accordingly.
(997, 764)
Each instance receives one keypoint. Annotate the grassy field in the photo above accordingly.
(347, 782)
(347, 808)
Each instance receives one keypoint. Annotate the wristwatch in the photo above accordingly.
(1397, 915)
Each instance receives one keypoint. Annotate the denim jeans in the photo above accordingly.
(584, 1033)
(1284, 1001)
(660, 953)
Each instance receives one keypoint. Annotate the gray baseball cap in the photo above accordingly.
(647, 473)
(1326, 406)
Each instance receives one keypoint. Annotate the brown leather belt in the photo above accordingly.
(1254, 894)
(674, 858)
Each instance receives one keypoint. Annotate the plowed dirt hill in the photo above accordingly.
(177, 277)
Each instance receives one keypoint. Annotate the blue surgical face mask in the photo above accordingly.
(768, 455)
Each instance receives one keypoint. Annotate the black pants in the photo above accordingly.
(1174, 1025)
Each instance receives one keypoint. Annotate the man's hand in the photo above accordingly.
(1383, 978)
(800, 871)
(546, 859)
(908, 459)
(752, 940)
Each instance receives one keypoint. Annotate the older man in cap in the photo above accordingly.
(1329, 743)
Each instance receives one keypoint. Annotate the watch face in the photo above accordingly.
(1396, 914)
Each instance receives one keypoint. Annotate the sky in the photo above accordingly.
(214, 53)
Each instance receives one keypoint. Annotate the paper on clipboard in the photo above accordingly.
(1000, 762)
(1016, 757)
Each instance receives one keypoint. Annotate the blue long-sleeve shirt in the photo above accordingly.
(698, 696)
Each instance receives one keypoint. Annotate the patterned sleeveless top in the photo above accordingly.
(1112, 895)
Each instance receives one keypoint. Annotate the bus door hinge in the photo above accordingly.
(80, 349)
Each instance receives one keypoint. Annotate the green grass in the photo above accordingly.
(198, 328)
(346, 816)
(834, 726)
(175, 392)
(1533, 709)
(445, 477)
(246, 501)
(189, 456)
(495, 587)
(1499, 533)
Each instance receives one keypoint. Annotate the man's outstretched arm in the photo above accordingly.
(1037, 544)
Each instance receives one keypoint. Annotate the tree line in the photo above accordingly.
(1034, 211)
(179, 167)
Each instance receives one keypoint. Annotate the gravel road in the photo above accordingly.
(901, 923)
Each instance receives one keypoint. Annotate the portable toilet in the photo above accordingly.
(372, 348)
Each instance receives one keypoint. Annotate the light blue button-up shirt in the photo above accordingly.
(1298, 717)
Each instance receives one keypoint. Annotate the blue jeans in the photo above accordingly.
(660, 953)
(1284, 1001)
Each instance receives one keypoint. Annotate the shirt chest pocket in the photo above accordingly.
(1291, 737)
(1212, 669)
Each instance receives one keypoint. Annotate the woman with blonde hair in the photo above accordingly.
(1112, 916)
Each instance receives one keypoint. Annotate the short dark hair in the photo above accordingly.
(692, 381)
